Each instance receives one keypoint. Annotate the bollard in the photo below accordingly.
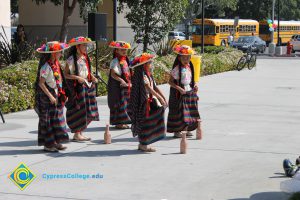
(183, 144)
(199, 131)
(107, 136)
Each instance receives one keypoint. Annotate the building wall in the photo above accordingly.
(5, 18)
(44, 21)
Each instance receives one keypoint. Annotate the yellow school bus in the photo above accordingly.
(216, 31)
(287, 30)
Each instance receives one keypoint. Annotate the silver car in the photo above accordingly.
(174, 35)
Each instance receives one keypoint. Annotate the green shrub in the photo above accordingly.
(222, 62)
(211, 49)
(17, 83)
(295, 196)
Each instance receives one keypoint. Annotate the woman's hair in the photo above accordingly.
(115, 54)
(43, 59)
(73, 53)
(20, 26)
(178, 63)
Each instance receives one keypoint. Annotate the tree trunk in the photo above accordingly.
(146, 34)
(68, 10)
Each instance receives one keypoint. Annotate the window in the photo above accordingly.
(171, 34)
(181, 34)
(208, 29)
(247, 28)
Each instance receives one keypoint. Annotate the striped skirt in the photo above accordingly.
(119, 115)
(52, 125)
(184, 115)
(83, 110)
(152, 127)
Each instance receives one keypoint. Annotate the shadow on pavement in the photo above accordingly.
(24, 143)
(108, 153)
(278, 175)
(116, 140)
(93, 129)
(21, 152)
(266, 196)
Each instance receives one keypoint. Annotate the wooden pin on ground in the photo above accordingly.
(107, 136)
(199, 131)
(183, 144)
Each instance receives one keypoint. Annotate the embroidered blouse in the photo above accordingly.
(82, 68)
(186, 76)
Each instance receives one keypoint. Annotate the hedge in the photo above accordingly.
(17, 81)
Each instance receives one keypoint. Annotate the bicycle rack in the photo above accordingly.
(2, 116)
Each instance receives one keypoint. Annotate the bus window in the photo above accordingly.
(217, 29)
(208, 30)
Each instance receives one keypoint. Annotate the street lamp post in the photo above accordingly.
(278, 26)
(115, 20)
(272, 45)
(202, 37)
(273, 13)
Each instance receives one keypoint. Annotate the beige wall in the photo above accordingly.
(44, 21)
(5, 17)
(45, 14)
(124, 31)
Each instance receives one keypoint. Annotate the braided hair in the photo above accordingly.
(43, 59)
(73, 53)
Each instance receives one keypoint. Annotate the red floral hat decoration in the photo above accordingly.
(80, 40)
(119, 45)
(141, 59)
(183, 50)
(52, 47)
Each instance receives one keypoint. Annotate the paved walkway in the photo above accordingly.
(251, 123)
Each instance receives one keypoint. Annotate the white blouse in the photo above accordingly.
(47, 73)
(115, 65)
(186, 77)
(82, 67)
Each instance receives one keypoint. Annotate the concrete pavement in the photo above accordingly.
(250, 123)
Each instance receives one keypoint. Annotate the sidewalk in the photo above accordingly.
(250, 123)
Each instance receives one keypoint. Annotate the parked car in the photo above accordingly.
(174, 35)
(295, 41)
(245, 42)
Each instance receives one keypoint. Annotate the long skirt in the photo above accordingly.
(183, 112)
(119, 114)
(52, 125)
(82, 110)
(152, 127)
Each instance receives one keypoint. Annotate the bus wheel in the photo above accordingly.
(223, 43)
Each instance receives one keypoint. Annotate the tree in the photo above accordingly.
(14, 6)
(213, 9)
(259, 10)
(290, 10)
(86, 6)
(151, 20)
